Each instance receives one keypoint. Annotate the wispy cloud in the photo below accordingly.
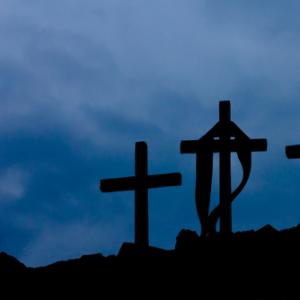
(112, 56)
(13, 184)
(81, 81)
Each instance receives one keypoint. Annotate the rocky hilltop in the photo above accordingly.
(262, 264)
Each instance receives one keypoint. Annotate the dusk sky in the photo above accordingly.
(82, 80)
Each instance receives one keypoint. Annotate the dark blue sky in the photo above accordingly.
(82, 81)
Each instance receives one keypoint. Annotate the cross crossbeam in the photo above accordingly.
(216, 146)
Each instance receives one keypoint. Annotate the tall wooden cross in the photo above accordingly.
(140, 183)
(224, 138)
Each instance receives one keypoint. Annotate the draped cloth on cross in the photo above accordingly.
(224, 138)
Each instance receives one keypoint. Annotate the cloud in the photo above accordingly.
(81, 81)
(13, 184)
(112, 57)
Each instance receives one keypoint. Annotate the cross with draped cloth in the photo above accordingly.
(224, 138)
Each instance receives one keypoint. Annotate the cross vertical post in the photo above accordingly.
(141, 195)
(225, 169)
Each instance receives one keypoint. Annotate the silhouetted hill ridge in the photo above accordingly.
(265, 259)
(9, 264)
(189, 245)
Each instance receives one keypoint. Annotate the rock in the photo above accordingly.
(85, 263)
(187, 240)
(9, 264)
(133, 250)
(267, 230)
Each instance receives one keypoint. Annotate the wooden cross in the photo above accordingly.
(224, 138)
(140, 183)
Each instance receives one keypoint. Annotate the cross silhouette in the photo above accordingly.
(140, 183)
(224, 138)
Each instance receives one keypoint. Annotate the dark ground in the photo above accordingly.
(261, 264)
